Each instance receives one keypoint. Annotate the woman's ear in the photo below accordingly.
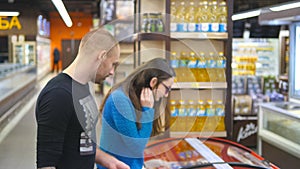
(153, 82)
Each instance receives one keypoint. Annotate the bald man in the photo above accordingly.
(66, 112)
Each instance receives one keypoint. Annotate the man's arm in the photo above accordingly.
(109, 161)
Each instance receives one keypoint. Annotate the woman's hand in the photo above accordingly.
(146, 98)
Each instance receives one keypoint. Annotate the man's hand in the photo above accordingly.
(109, 161)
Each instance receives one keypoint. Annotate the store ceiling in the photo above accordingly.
(46, 6)
(92, 6)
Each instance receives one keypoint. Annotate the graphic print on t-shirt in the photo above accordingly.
(91, 116)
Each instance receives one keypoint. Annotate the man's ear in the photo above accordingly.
(153, 82)
(102, 55)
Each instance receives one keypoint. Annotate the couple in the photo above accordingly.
(66, 112)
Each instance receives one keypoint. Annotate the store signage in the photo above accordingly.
(7, 23)
(249, 130)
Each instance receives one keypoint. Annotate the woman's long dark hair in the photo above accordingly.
(139, 79)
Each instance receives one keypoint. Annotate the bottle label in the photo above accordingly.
(204, 27)
(200, 112)
(173, 27)
(210, 112)
(220, 112)
(213, 63)
(222, 27)
(174, 63)
(181, 27)
(192, 64)
(198, 27)
(201, 64)
(183, 63)
(191, 27)
(174, 112)
(214, 27)
(192, 112)
(181, 112)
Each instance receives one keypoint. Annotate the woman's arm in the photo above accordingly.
(109, 161)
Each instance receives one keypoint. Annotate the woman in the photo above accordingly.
(131, 111)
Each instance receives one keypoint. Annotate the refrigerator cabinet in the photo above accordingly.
(279, 133)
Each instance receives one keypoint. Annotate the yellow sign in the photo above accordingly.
(6, 24)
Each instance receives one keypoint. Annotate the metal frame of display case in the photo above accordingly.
(168, 36)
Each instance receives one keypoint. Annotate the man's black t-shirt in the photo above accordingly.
(66, 115)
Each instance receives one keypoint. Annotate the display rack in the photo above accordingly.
(197, 41)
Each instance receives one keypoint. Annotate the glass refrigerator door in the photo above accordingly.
(295, 62)
(18, 53)
(29, 56)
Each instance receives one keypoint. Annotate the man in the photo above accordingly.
(66, 112)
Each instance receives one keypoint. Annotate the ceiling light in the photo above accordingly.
(63, 12)
(245, 15)
(8, 13)
(285, 7)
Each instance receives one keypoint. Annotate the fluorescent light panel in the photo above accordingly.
(285, 7)
(63, 12)
(8, 13)
(245, 15)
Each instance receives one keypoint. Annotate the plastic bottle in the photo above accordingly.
(182, 112)
(221, 65)
(220, 108)
(201, 116)
(210, 109)
(198, 16)
(174, 114)
(183, 63)
(190, 17)
(174, 62)
(222, 17)
(214, 11)
(173, 24)
(192, 65)
(202, 72)
(191, 115)
(211, 66)
(180, 15)
(160, 24)
(205, 17)
(145, 23)
(220, 113)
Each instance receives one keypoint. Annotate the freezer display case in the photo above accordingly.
(208, 153)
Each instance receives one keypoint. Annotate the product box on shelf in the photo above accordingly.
(242, 104)
(238, 85)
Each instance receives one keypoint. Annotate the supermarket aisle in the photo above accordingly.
(19, 137)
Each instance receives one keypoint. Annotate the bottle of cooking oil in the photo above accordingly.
(220, 113)
(214, 11)
(222, 17)
(182, 112)
(190, 17)
(209, 108)
(173, 24)
(221, 65)
(211, 66)
(192, 65)
(174, 62)
(181, 22)
(202, 72)
(205, 19)
(183, 67)
(220, 108)
(200, 119)
(198, 16)
(174, 115)
(191, 115)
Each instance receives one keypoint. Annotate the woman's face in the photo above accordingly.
(163, 89)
